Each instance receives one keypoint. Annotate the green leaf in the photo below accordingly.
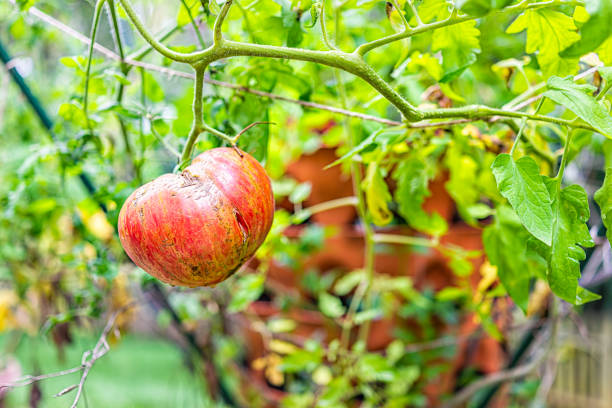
(595, 31)
(570, 233)
(505, 243)
(330, 305)
(248, 288)
(605, 51)
(248, 110)
(480, 7)
(463, 185)
(367, 315)
(603, 197)
(303, 360)
(474, 7)
(314, 13)
(72, 62)
(578, 99)
(606, 74)
(349, 282)
(182, 17)
(281, 325)
(291, 22)
(459, 45)
(548, 32)
(412, 189)
(521, 184)
(300, 192)
(430, 9)
(381, 139)
(377, 195)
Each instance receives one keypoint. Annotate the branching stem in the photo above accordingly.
(350, 62)
(217, 29)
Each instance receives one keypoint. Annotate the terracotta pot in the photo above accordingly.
(326, 185)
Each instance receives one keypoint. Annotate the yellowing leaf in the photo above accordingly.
(581, 15)
(377, 195)
(548, 32)
(8, 299)
(459, 44)
(432, 9)
(182, 17)
(605, 51)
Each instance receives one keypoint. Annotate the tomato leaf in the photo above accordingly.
(505, 243)
(330, 305)
(521, 184)
(595, 31)
(548, 32)
(377, 195)
(431, 9)
(459, 45)
(248, 288)
(382, 139)
(182, 18)
(570, 233)
(578, 99)
(412, 189)
(480, 7)
(603, 197)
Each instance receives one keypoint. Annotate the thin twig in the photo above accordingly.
(250, 126)
(503, 376)
(87, 361)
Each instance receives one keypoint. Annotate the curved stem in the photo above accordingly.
(404, 240)
(324, 28)
(161, 48)
(401, 13)
(523, 123)
(454, 19)
(363, 49)
(125, 68)
(144, 50)
(363, 290)
(326, 206)
(565, 156)
(348, 62)
(94, 31)
(415, 12)
(217, 29)
(116, 33)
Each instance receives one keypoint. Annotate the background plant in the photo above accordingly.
(514, 93)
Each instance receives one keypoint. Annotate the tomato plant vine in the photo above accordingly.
(419, 116)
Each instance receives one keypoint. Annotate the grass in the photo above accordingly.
(137, 372)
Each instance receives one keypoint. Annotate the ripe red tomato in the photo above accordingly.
(198, 227)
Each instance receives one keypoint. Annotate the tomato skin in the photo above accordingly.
(198, 227)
